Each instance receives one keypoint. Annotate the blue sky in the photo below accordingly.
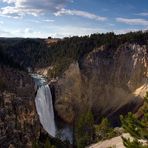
(60, 18)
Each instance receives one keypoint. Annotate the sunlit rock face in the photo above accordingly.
(68, 93)
(110, 81)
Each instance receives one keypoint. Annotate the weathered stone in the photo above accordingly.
(110, 81)
(19, 124)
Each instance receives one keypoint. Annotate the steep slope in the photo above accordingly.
(109, 81)
(19, 124)
(106, 72)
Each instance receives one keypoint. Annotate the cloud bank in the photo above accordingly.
(143, 22)
(80, 13)
(19, 8)
(143, 14)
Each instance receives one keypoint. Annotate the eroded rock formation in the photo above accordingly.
(19, 124)
(110, 81)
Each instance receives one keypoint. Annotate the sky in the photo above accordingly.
(61, 18)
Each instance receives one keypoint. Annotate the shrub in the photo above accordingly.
(104, 131)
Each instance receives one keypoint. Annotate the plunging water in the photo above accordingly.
(44, 105)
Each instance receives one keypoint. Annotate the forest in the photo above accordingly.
(21, 53)
(36, 53)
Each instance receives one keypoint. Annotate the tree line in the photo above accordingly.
(23, 53)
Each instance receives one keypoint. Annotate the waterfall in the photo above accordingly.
(44, 106)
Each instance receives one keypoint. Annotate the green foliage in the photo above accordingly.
(132, 144)
(133, 126)
(104, 131)
(21, 53)
(86, 132)
(137, 127)
(84, 129)
(35, 144)
(59, 68)
(54, 143)
(48, 144)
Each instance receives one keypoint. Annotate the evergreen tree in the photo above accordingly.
(136, 126)
(133, 144)
(84, 129)
(103, 130)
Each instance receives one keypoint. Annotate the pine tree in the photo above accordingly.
(84, 129)
(133, 144)
(136, 126)
(104, 130)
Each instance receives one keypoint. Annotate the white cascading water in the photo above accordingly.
(44, 105)
(44, 108)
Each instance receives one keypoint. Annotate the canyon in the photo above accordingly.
(110, 82)
(107, 74)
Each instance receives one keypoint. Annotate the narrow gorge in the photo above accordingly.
(57, 93)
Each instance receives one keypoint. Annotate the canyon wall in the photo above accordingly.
(109, 81)
(19, 124)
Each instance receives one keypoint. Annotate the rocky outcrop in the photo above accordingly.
(116, 142)
(19, 124)
(68, 93)
(110, 81)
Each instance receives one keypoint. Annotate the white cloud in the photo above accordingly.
(49, 21)
(42, 21)
(60, 32)
(27, 32)
(4, 33)
(19, 8)
(138, 21)
(80, 13)
(1, 22)
(123, 31)
(8, 1)
(143, 14)
(66, 31)
(17, 12)
(81, 31)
